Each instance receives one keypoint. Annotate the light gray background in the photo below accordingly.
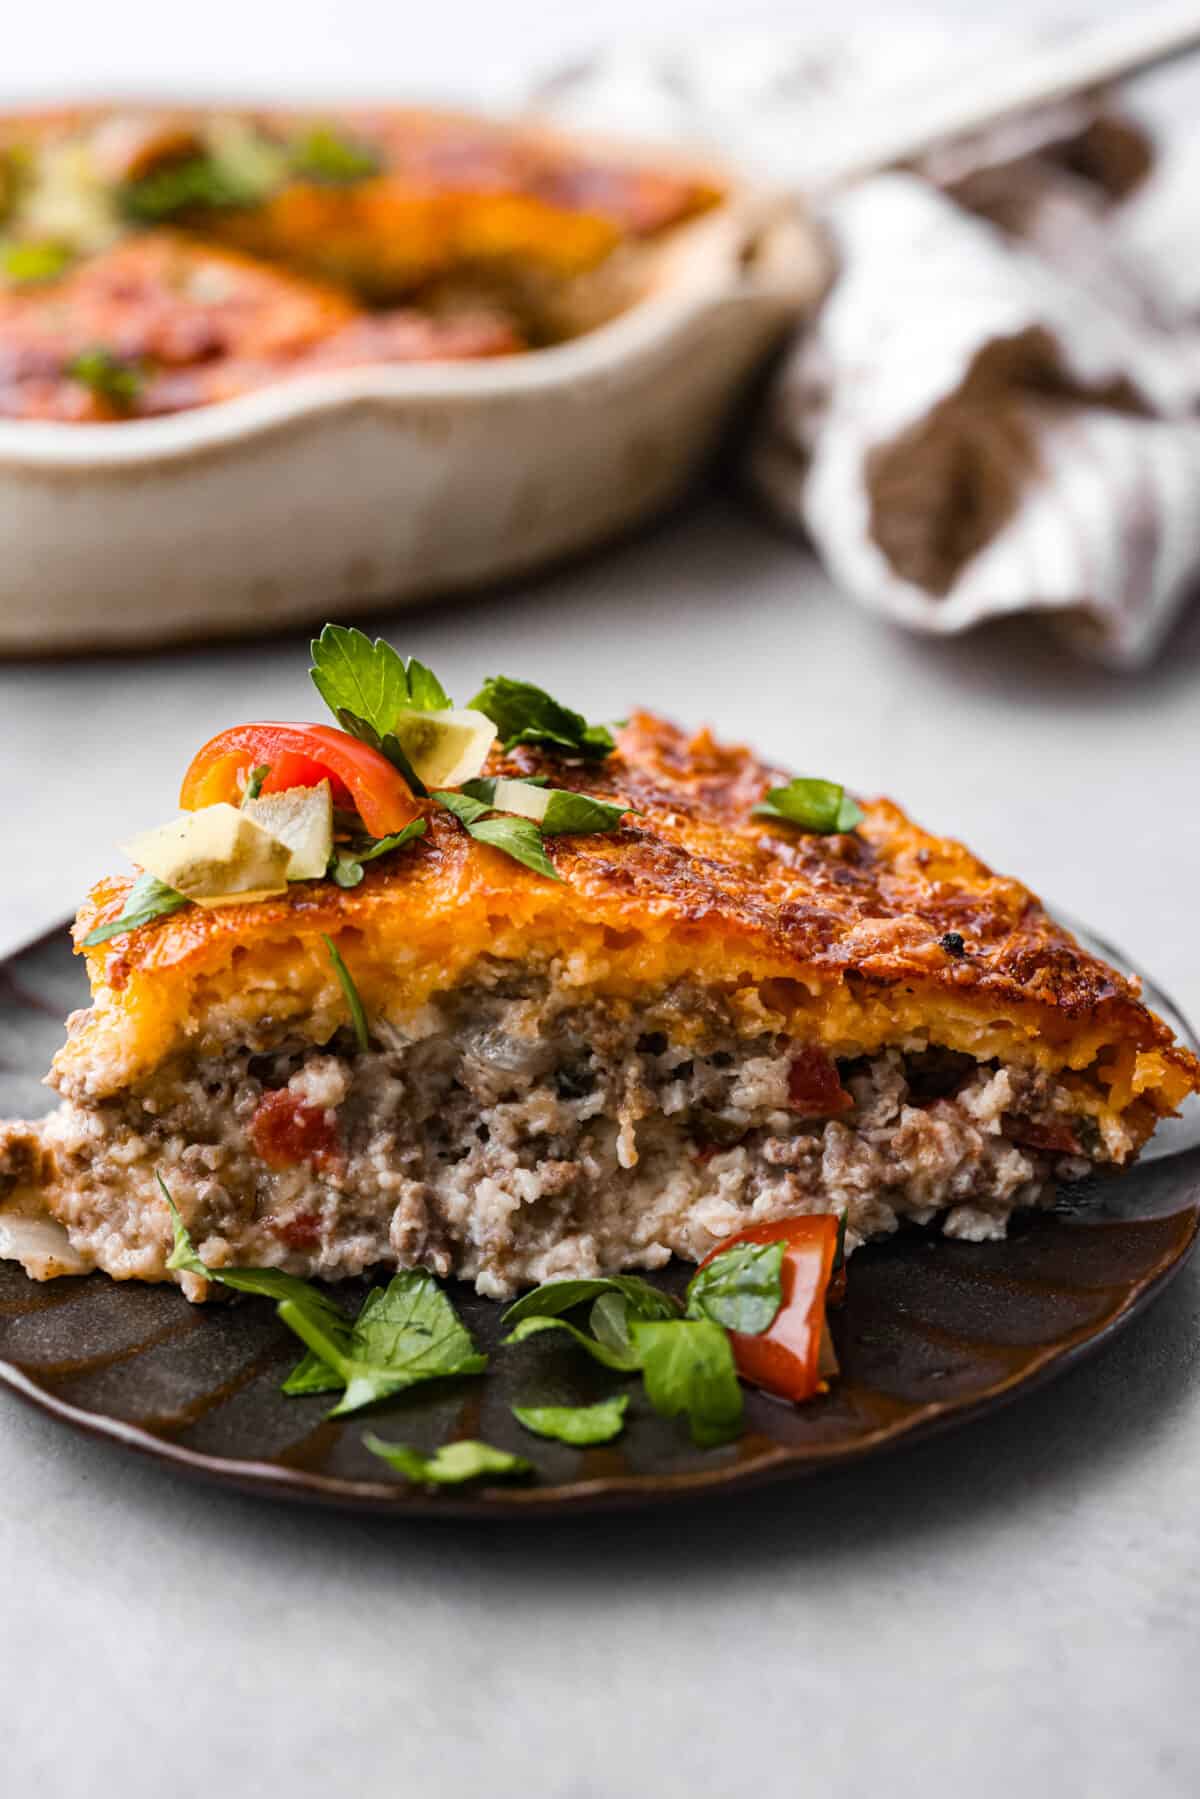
(1010, 1610)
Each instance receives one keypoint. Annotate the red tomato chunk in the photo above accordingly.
(785, 1358)
(286, 1131)
(814, 1086)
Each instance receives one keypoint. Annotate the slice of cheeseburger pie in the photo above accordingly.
(507, 995)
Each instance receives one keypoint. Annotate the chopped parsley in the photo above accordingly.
(147, 899)
(406, 1332)
(579, 1425)
(523, 713)
(211, 182)
(28, 263)
(687, 1366)
(686, 1362)
(358, 1016)
(954, 944)
(328, 155)
(519, 838)
(609, 1354)
(452, 1464)
(346, 863)
(366, 686)
(113, 379)
(254, 782)
(821, 806)
(564, 812)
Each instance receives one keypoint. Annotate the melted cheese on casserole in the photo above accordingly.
(834, 939)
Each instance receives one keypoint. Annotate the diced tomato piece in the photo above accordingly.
(302, 756)
(815, 1087)
(1050, 1134)
(286, 1131)
(785, 1358)
(302, 1231)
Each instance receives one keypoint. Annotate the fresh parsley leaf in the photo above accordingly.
(148, 899)
(111, 378)
(624, 1361)
(254, 782)
(426, 692)
(312, 1375)
(580, 813)
(739, 1289)
(466, 807)
(369, 680)
(687, 1365)
(204, 183)
(406, 1332)
(615, 1300)
(29, 263)
(523, 713)
(565, 811)
(485, 787)
(555, 1297)
(183, 1255)
(575, 1424)
(328, 155)
(346, 863)
(609, 1322)
(518, 838)
(366, 685)
(450, 1465)
(822, 806)
(358, 1016)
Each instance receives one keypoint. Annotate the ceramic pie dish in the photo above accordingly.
(344, 487)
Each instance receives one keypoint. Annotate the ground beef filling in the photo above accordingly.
(517, 1136)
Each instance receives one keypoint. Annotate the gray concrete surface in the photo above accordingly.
(1012, 1610)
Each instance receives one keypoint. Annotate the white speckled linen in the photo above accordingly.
(998, 408)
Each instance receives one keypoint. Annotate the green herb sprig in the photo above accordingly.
(579, 1425)
(358, 1015)
(254, 783)
(366, 685)
(821, 806)
(523, 713)
(684, 1357)
(328, 155)
(452, 1465)
(148, 899)
(346, 862)
(204, 183)
(406, 1332)
(30, 262)
(112, 378)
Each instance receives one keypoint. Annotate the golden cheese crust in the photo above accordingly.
(835, 938)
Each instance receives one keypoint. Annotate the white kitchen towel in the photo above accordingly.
(997, 409)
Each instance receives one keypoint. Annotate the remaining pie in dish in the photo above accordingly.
(155, 260)
(564, 1003)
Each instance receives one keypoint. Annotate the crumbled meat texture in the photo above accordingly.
(522, 1133)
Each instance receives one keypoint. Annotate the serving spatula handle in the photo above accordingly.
(1051, 72)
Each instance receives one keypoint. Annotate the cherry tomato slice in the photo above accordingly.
(301, 756)
(785, 1358)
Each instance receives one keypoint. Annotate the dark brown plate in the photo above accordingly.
(932, 1333)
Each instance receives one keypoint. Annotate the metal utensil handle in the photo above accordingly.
(1126, 46)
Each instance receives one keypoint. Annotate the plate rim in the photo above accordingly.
(608, 1492)
(614, 1492)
